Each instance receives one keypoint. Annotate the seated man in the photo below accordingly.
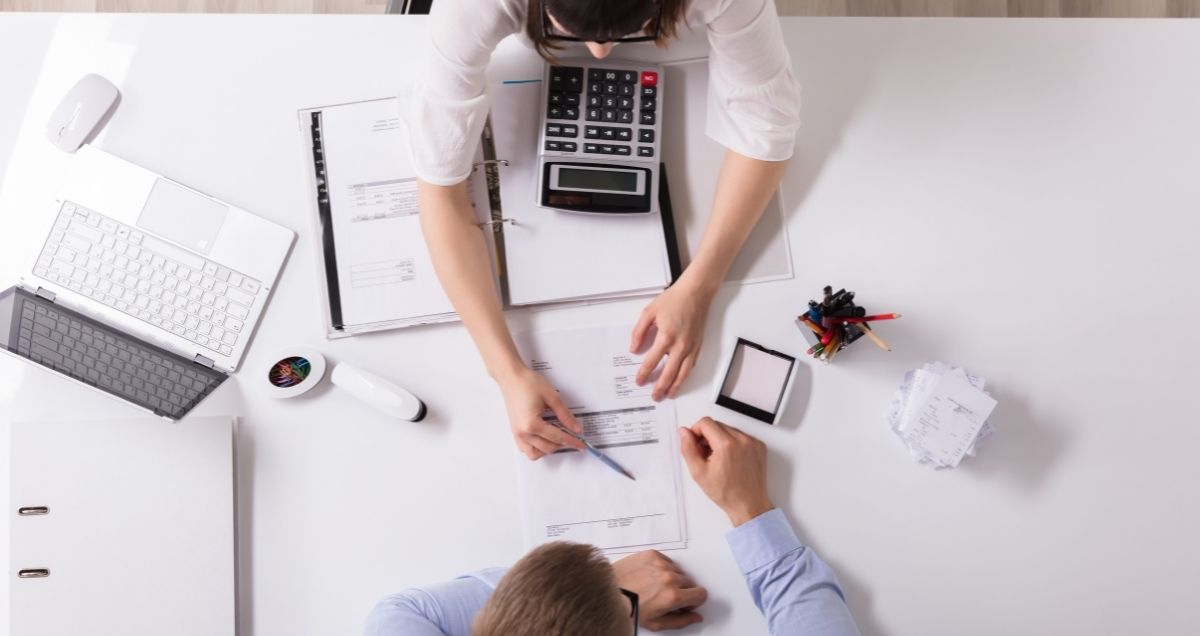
(567, 588)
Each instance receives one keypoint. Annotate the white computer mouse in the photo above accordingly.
(82, 112)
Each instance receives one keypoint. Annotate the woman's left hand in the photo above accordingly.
(679, 313)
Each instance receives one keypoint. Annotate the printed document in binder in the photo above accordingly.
(377, 271)
(572, 496)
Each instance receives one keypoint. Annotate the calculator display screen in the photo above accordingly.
(598, 180)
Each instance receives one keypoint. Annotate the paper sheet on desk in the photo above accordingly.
(384, 269)
(572, 496)
(940, 413)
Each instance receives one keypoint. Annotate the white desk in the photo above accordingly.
(1024, 191)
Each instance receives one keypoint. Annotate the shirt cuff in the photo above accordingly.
(762, 540)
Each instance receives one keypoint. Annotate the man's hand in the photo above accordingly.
(729, 466)
(679, 313)
(527, 395)
(667, 598)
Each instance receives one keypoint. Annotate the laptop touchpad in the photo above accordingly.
(190, 219)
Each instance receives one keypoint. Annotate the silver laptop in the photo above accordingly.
(165, 275)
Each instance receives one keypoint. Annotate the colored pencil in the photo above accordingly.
(812, 325)
(832, 347)
(866, 331)
(851, 321)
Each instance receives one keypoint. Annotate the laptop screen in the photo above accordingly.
(86, 350)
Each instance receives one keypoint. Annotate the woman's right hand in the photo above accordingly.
(527, 395)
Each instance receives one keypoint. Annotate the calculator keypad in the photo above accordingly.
(618, 108)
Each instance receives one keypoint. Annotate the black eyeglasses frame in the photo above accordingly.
(546, 27)
(633, 613)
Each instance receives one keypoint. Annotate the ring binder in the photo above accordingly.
(492, 165)
(325, 215)
(352, 309)
(486, 162)
(78, 570)
(497, 222)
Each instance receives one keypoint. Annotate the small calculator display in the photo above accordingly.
(599, 142)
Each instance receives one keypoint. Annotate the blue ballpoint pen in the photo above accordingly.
(595, 451)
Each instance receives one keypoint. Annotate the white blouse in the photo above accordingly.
(753, 99)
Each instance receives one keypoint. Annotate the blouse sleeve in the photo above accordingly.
(753, 98)
(451, 104)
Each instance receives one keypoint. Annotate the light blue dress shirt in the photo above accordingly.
(795, 590)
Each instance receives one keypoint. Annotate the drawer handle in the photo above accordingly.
(30, 511)
(33, 573)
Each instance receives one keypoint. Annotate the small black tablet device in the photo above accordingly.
(757, 381)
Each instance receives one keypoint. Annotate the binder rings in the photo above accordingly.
(122, 527)
(376, 270)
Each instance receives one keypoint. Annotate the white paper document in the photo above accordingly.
(384, 271)
(940, 413)
(573, 496)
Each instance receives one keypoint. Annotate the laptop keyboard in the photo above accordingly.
(148, 278)
(111, 362)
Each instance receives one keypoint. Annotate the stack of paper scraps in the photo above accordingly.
(940, 413)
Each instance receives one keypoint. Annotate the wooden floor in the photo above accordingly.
(906, 8)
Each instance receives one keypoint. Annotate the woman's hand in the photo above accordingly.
(527, 395)
(679, 313)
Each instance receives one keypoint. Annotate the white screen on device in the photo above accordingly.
(756, 378)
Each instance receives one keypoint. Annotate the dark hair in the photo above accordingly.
(600, 18)
(559, 588)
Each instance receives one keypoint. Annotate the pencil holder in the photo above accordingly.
(836, 322)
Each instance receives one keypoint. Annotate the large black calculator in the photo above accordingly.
(599, 147)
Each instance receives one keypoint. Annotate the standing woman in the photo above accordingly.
(753, 111)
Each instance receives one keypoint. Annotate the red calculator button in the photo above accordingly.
(649, 78)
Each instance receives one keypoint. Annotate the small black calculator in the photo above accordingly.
(599, 147)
